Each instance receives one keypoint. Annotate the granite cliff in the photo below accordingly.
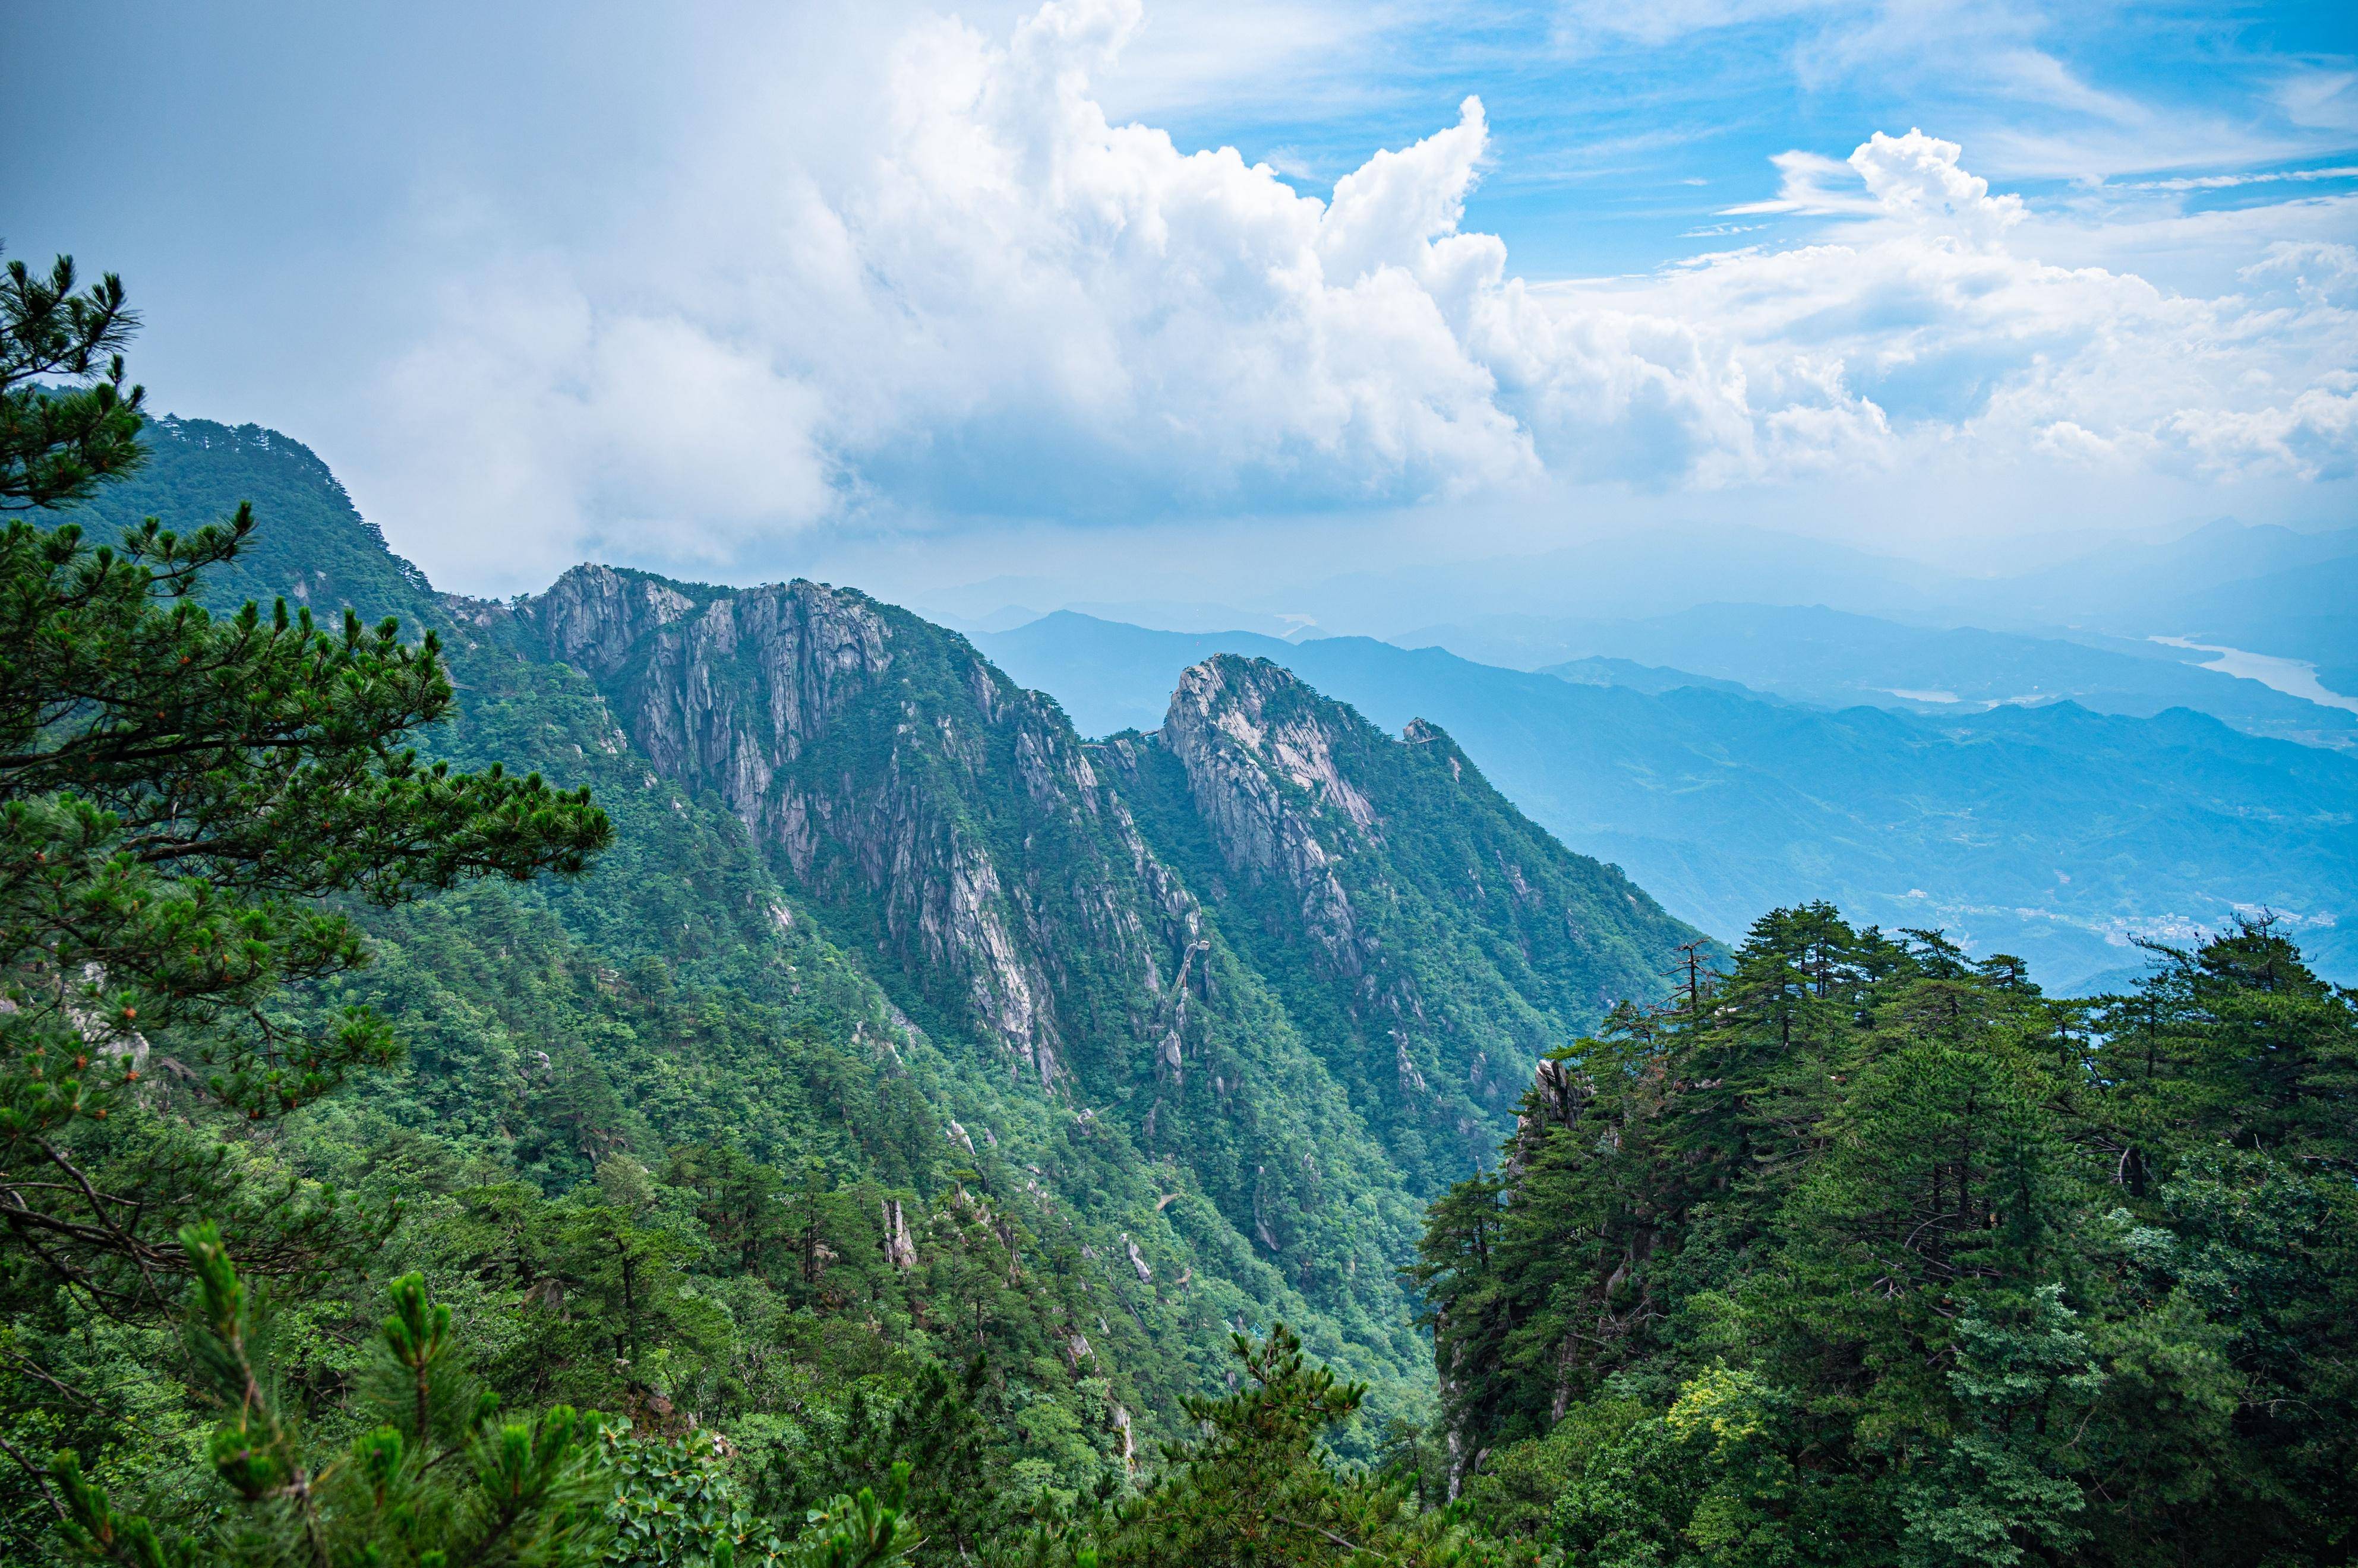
(1432, 940)
(1310, 962)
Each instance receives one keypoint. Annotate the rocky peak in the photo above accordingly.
(594, 615)
(725, 690)
(1258, 748)
(1267, 714)
(889, 768)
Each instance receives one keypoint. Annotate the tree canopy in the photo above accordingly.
(1871, 1253)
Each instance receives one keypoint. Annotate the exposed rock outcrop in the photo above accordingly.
(1449, 944)
(593, 616)
(1017, 889)
(875, 754)
(1261, 764)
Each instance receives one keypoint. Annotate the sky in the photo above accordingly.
(1209, 292)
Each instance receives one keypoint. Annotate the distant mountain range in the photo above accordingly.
(2307, 613)
(2052, 832)
(1832, 625)
(2144, 588)
(1837, 660)
(2126, 588)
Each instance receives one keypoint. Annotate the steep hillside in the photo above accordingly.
(1431, 939)
(313, 547)
(1317, 1055)
(816, 794)
(949, 826)
(1209, 1013)
(681, 999)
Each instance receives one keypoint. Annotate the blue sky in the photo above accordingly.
(894, 289)
(1622, 132)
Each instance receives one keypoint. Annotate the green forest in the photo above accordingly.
(455, 1110)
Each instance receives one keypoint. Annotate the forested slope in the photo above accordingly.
(1869, 1254)
(914, 1097)
(1433, 939)
(894, 1026)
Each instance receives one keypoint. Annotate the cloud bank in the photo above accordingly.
(980, 298)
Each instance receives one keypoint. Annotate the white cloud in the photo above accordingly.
(2324, 100)
(1811, 183)
(2320, 273)
(2230, 181)
(955, 288)
(1915, 178)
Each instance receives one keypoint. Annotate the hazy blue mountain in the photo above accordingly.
(1596, 670)
(2139, 588)
(1834, 659)
(1110, 675)
(2053, 832)
(2113, 585)
(2308, 612)
(1645, 572)
(1107, 676)
(1003, 603)
(2088, 587)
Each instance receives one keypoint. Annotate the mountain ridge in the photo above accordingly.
(1725, 805)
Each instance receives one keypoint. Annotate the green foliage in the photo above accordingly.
(1256, 1487)
(1870, 1253)
(317, 551)
(1862, 1252)
(178, 794)
(189, 808)
(59, 445)
(676, 1505)
(439, 1479)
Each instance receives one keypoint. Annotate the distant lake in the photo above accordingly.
(2294, 677)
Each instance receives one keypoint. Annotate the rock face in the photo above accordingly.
(594, 616)
(1261, 767)
(867, 749)
(1386, 950)
(954, 829)
(1432, 940)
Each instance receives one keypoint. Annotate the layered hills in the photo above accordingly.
(1207, 1012)
(1835, 660)
(2052, 832)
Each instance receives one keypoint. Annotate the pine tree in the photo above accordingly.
(439, 1479)
(57, 443)
(191, 807)
(1255, 1490)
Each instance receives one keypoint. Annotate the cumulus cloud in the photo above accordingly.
(985, 299)
(1916, 178)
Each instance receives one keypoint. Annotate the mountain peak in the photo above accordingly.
(1267, 714)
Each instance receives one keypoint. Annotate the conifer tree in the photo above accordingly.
(440, 1480)
(1883, 1257)
(57, 443)
(191, 807)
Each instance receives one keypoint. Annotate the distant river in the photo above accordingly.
(2294, 677)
